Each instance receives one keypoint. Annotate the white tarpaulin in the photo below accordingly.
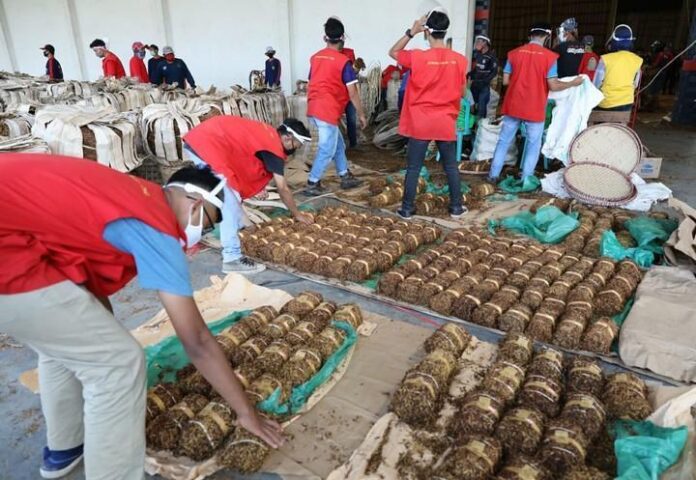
(573, 108)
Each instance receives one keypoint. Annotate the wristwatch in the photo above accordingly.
(408, 33)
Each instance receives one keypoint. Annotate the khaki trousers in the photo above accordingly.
(91, 376)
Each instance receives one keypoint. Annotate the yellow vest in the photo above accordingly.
(620, 70)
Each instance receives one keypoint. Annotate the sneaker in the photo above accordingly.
(58, 463)
(458, 212)
(405, 214)
(314, 189)
(243, 266)
(348, 181)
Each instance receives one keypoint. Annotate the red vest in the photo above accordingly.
(433, 94)
(112, 66)
(230, 144)
(528, 89)
(54, 210)
(327, 95)
(138, 69)
(587, 67)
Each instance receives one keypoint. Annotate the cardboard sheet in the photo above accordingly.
(225, 295)
(660, 331)
(680, 248)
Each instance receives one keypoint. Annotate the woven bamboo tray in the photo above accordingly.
(611, 144)
(599, 184)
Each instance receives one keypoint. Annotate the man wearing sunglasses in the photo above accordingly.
(72, 233)
(247, 154)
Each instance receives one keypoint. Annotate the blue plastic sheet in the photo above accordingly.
(644, 450)
(300, 394)
(547, 225)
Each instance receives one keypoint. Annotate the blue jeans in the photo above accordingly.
(535, 130)
(352, 124)
(331, 147)
(232, 215)
(481, 92)
(415, 157)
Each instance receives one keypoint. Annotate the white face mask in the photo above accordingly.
(194, 232)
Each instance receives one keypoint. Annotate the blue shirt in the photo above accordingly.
(159, 258)
(272, 72)
(553, 71)
(175, 72)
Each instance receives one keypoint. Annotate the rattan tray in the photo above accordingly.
(599, 184)
(610, 144)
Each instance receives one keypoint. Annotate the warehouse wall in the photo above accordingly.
(221, 40)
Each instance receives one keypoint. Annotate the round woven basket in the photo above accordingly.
(611, 144)
(599, 184)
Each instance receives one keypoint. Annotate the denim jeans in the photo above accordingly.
(232, 215)
(352, 124)
(482, 94)
(535, 130)
(415, 158)
(331, 147)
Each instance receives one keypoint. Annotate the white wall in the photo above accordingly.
(220, 40)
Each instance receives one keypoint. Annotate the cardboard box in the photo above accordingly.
(649, 167)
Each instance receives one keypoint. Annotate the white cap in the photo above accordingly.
(167, 50)
(270, 49)
(484, 38)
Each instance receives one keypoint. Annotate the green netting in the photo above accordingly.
(547, 225)
(651, 233)
(499, 197)
(300, 394)
(644, 450)
(611, 247)
(168, 356)
(515, 185)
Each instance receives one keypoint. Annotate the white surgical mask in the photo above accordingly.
(194, 232)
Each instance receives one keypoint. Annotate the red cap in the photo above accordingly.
(138, 46)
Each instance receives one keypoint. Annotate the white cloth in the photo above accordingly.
(573, 108)
(648, 193)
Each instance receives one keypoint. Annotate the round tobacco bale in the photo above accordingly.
(195, 383)
(302, 333)
(475, 459)
(274, 356)
(362, 268)
(625, 397)
(409, 289)
(244, 452)
(321, 265)
(349, 313)
(413, 240)
(259, 317)
(164, 432)
(532, 297)
(479, 413)
(564, 446)
(449, 337)
(321, 315)
(438, 285)
(443, 302)
(431, 233)
(516, 318)
(552, 254)
(547, 363)
(600, 335)
(542, 393)
(160, 398)
(583, 292)
(306, 261)
(609, 302)
(304, 363)
(483, 189)
(516, 348)
(339, 267)
(541, 327)
(583, 309)
(584, 375)
(600, 453)
(389, 282)
(583, 472)
(515, 262)
(328, 341)
(232, 337)
(586, 411)
(569, 330)
(376, 185)
(560, 288)
(263, 387)
(503, 380)
(247, 373)
(523, 468)
(280, 326)
(552, 306)
(293, 256)
(520, 430)
(249, 350)
(520, 278)
(206, 432)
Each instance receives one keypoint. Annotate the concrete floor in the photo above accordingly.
(22, 434)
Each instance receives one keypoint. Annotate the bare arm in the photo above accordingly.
(288, 200)
(207, 357)
(506, 79)
(403, 41)
(555, 85)
(354, 93)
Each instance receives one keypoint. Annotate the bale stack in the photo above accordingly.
(13, 125)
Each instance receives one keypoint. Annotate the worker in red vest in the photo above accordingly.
(590, 60)
(137, 65)
(111, 64)
(332, 84)
(530, 72)
(72, 233)
(248, 154)
(432, 101)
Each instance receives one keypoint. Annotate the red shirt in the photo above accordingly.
(112, 66)
(327, 95)
(230, 144)
(588, 64)
(54, 211)
(387, 74)
(528, 90)
(138, 69)
(350, 53)
(433, 95)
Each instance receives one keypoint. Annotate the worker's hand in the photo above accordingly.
(363, 121)
(578, 81)
(304, 218)
(262, 195)
(267, 430)
(418, 25)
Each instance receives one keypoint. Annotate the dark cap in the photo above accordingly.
(540, 28)
(97, 42)
(152, 45)
(49, 47)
